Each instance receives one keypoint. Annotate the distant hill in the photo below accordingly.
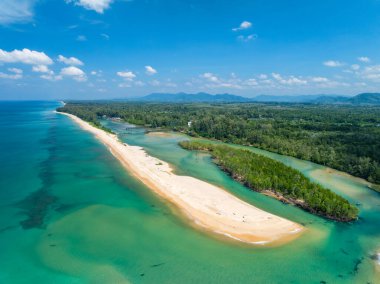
(286, 99)
(331, 100)
(361, 99)
(366, 98)
(184, 97)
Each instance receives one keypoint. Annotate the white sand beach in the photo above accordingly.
(207, 206)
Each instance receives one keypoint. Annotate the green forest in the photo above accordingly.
(264, 174)
(342, 137)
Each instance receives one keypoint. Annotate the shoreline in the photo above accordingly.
(207, 206)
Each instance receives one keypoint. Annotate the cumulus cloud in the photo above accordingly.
(155, 83)
(319, 79)
(105, 36)
(125, 85)
(15, 70)
(333, 84)
(291, 80)
(355, 67)
(81, 38)
(16, 11)
(47, 74)
(263, 76)
(210, 77)
(25, 56)
(127, 75)
(364, 59)
(41, 69)
(96, 5)
(70, 60)
(332, 63)
(243, 26)
(14, 75)
(139, 83)
(74, 72)
(149, 70)
(251, 82)
(51, 77)
(212, 81)
(247, 38)
(371, 73)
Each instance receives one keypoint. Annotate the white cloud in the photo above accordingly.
(364, 59)
(210, 77)
(224, 85)
(323, 82)
(139, 83)
(41, 69)
(319, 79)
(25, 56)
(291, 80)
(81, 38)
(155, 83)
(125, 85)
(247, 38)
(263, 76)
(74, 72)
(212, 81)
(96, 5)
(332, 63)
(47, 73)
(15, 74)
(16, 11)
(355, 67)
(149, 70)
(243, 26)
(371, 73)
(333, 84)
(360, 84)
(51, 77)
(70, 60)
(251, 82)
(105, 36)
(15, 70)
(127, 75)
(170, 85)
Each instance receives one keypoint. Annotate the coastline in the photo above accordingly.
(207, 206)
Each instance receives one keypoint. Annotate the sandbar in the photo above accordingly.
(207, 206)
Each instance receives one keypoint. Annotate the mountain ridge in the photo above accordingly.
(360, 99)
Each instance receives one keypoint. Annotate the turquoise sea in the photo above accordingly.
(69, 213)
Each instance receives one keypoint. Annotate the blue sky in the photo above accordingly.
(90, 49)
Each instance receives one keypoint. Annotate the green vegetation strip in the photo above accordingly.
(346, 138)
(265, 175)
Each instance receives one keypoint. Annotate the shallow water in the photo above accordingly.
(69, 213)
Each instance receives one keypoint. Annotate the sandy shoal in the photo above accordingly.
(206, 205)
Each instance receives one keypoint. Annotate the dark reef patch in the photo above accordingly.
(158, 264)
(36, 205)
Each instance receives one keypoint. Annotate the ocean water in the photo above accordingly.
(69, 213)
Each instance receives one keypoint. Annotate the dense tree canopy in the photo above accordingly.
(343, 137)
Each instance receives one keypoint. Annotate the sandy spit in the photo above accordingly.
(205, 205)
